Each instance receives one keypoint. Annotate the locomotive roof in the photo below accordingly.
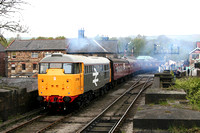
(59, 57)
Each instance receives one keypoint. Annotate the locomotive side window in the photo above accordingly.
(101, 68)
(85, 69)
(67, 68)
(43, 68)
(90, 69)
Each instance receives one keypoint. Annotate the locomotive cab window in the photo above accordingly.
(77, 68)
(74, 68)
(43, 68)
(67, 68)
(55, 65)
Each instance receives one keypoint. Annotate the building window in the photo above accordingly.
(13, 67)
(47, 53)
(195, 56)
(13, 54)
(34, 55)
(34, 66)
(23, 66)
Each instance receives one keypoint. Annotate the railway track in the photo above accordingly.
(38, 124)
(27, 116)
(105, 121)
(108, 120)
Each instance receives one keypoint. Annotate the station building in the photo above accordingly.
(194, 61)
(23, 56)
(194, 55)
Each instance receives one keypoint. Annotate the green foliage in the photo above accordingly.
(3, 41)
(181, 129)
(129, 44)
(123, 43)
(49, 38)
(163, 103)
(60, 37)
(191, 86)
(138, 44)
(10, 40)
(41, 38)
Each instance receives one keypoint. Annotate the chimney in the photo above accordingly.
(198, 44)
(81, 33)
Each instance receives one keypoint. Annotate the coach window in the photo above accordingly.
(67, 68)
(43, 67)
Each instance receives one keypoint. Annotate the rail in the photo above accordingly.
(87, 127)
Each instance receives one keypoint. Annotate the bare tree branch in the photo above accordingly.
(7, 9)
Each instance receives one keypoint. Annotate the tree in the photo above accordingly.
(8, 9)
(60, 37)
(123, 43)
(137, 45)
(3, 41)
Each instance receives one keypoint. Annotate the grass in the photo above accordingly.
(139, 108)
(163, 103)
(181, 129)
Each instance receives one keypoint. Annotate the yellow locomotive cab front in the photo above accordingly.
(59, 80)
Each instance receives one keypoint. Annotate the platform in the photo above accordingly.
(163, 117)
(160, 95)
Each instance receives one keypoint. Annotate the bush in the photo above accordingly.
(192, 88)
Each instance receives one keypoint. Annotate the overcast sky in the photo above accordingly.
(113, 18)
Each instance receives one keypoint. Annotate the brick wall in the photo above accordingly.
(2, 63)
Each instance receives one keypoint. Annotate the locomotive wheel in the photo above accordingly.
(101, 92)
(105, 90)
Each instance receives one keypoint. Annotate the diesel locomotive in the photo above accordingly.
(65, 78)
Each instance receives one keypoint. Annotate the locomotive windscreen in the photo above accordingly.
(69, 68)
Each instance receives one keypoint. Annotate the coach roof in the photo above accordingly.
(59, 57)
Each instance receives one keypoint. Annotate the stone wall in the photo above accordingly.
(30, 84)
(17, 96)
(15, 101)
